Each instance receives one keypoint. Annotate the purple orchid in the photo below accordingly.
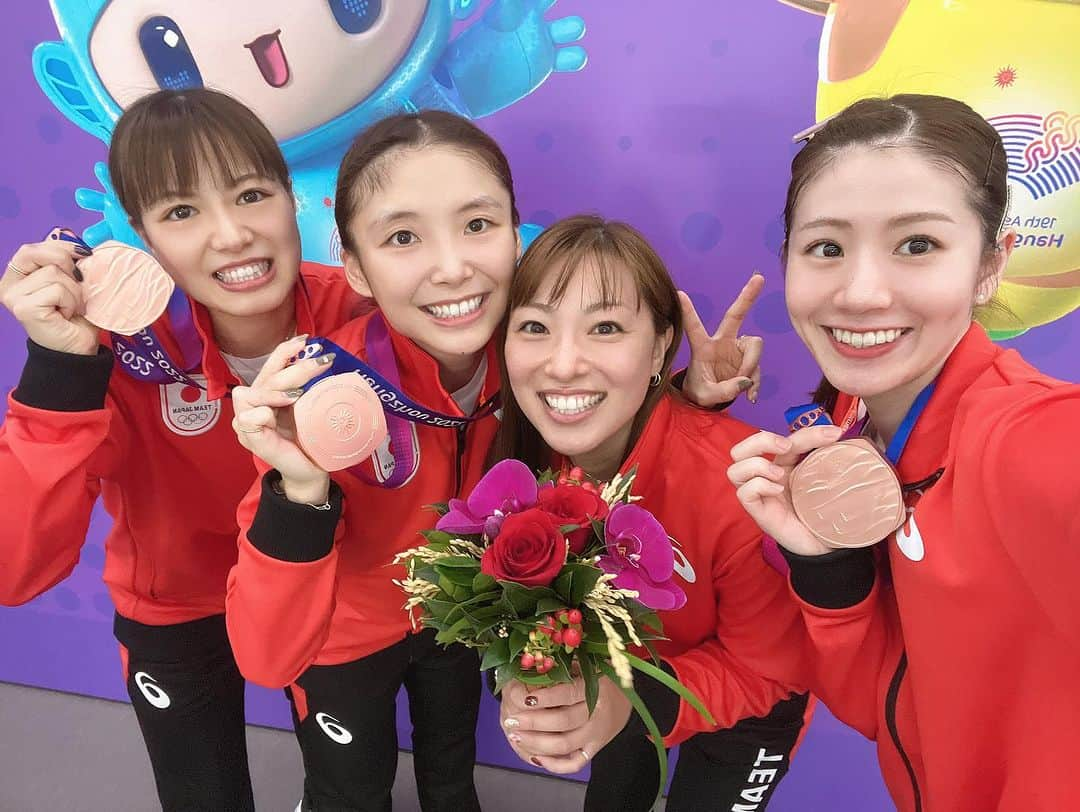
(509, 487)
(639, 554)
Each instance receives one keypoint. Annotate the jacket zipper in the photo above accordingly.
(894, 731)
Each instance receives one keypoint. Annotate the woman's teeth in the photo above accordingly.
(455, 310)
(869, 339)
(571, 404)
(243, 273)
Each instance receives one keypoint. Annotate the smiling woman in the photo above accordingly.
(593, 327)
(207, 188)
(894, 242)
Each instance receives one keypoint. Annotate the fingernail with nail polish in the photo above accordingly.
(530, 701)
(515, 738)
(536, 761)
(745, 384)
(293, 393)
(77, 274)
(326, 360)
(83, 252)
(510, 722)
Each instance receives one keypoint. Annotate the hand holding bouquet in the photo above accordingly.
(550, 577)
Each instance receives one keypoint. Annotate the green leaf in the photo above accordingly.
(458, 561)
(504, 674)
(441, 508)
(518, 640)
(566, 529)
(497, 654)
(598, 528)
(584, 580)
(439, 609)
(546, 476)
(591, 679)
(455, 592)
(436, 538)
(524, 599)
(663, 677)
(457, 575)
(650, 725)
(563, 584)
(482, 582)
(426, 573)
(548, 606)
(452, 634)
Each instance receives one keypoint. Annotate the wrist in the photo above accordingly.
(304, 492)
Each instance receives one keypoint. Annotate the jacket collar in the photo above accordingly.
(219, 378)
(420, 374)
(928, 444)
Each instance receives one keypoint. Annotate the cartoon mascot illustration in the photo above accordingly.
(1017, 63)
(316, 71)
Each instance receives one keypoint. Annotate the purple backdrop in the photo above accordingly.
(680, 124)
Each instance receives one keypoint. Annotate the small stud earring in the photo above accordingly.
(655, 379)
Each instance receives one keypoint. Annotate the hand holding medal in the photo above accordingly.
(305, 430)
(42, 287)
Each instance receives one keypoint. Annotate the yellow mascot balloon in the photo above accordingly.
(1018, 63)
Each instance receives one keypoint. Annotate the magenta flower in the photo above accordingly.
(509, 487)
(639, 554)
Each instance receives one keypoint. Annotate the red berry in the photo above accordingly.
(574, 615)
(572, 637)
(549, 663)
(558, 637)
(550, 621)
(588, 486)
(527, 661)
(577, 473)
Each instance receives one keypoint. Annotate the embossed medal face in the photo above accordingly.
(125, 289)
(339, 421)
(847, 494)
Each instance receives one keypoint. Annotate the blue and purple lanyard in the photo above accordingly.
(400, 409)
(144, 357)
(811, 414)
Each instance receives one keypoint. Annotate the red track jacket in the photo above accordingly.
(317, 587)
(163, 457)
(954, 643)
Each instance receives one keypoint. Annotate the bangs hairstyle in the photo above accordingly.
(162, 141)
(562, 253)
(365, 166)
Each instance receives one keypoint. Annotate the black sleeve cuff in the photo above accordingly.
(64, 381)
(662, 702)
(834, 580)
(677, 381)
(290, 531)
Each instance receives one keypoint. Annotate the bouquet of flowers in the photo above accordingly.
(549, 577)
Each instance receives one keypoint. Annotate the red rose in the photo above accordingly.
(529, 550)
(572, 504)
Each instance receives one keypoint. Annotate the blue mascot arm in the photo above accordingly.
(508, 53)
(61, 81)
(114, 223)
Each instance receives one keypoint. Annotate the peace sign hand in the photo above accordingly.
(723, 364)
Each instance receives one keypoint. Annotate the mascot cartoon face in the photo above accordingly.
(317, 72)
(299, 64)
(1016, 62)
